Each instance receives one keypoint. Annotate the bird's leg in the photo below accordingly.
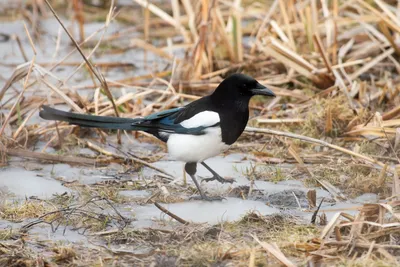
(216, 176)
(191, 169)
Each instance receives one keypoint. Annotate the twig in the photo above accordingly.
(321, 50)
(263, 25)
(95, 71)
(105, 152)
(176, 217)
(314, 216)
(360, 245)
(21, 48)
(51, 157)
(75, 43)
(124, 219)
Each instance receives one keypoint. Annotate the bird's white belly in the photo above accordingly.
(196, 148)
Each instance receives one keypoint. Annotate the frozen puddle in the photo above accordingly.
(88, 175)
(231, 209)
(44, 232)
(23, 183)
(232, 165)
(135, 193)
(351, 206)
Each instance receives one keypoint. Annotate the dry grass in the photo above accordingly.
(199, 245)
(64, 255)
(18, 211)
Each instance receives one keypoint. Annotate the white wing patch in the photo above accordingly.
(205, 119)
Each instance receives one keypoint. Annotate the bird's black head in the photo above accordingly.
(240, 87)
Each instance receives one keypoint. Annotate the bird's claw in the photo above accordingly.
(219, 179)
(207, 198)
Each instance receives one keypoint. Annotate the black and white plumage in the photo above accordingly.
(200, 130)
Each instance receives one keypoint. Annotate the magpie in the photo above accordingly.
(200, 130)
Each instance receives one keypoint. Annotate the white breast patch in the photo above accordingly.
(196, 148)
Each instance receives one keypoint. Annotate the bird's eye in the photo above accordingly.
(244, 85)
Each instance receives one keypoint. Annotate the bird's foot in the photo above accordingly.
(219, 179)
(207, 198)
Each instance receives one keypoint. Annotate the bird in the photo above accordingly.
(193, 133)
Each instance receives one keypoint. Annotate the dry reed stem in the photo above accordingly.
(275, 252)
(50, 157)
(5, 122)
(109, 153)
(315, 141)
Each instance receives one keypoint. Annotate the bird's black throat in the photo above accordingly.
(234, 116)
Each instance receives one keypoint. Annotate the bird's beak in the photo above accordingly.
(262, 90)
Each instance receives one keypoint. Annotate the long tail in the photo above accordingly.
(92, 121)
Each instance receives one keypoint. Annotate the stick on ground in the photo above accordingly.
(176, 217)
